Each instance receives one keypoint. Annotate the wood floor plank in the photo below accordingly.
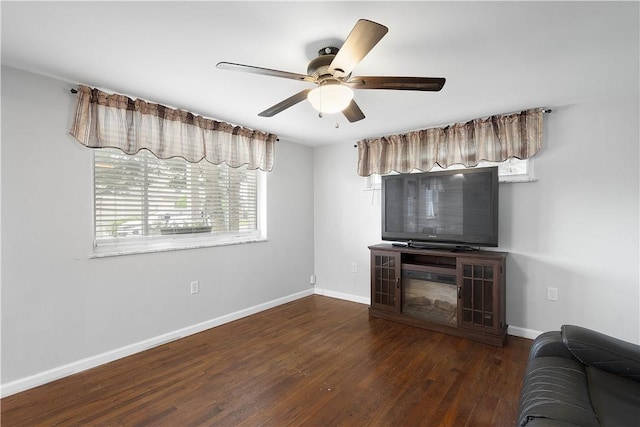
(315, 361)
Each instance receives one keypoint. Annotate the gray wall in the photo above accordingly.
(59, 306)
(575, 229)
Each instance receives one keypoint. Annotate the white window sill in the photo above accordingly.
(105, 250)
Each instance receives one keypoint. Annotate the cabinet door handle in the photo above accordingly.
(459, 290)
(398, 283)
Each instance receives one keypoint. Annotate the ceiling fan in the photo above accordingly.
(331, 72)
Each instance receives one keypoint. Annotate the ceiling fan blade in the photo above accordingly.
(362, 38)
(264, 71)
(289, 102)
(353, 113)
(397, 83)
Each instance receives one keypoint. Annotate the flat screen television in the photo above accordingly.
(445, 208)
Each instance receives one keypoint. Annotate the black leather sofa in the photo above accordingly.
(579, 377)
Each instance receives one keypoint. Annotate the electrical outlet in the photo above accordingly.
(354, 267)
(552, 294)
(312, 280)
(195, 287)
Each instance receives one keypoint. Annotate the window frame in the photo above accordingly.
(172, 242)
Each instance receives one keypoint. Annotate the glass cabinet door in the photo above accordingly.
(477, 294)
(385, 280)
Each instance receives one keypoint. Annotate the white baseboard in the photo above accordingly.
(343, 296)
(50, 375)
(523, 332)
(512, 330)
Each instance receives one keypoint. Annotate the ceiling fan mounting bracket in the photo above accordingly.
(329, 50)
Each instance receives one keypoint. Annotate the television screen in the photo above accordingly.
(457, 207)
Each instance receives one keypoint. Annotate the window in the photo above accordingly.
(373, 182)
(511, 170)
(514, 170)
(142, 203)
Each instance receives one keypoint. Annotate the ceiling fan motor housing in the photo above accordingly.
(318, 68)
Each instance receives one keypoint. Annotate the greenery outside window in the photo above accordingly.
(145, 204)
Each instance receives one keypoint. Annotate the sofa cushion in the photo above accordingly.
(602, 351)
(615, 399)
(556, 388)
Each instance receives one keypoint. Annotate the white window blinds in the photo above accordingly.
(140, 197)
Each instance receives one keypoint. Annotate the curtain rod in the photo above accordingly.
(544, 111)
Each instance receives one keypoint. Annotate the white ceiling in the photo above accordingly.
(498, 57)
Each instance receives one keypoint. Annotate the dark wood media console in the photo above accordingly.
(457, 293)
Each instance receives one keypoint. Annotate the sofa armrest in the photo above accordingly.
(603, 351)
(549, 344)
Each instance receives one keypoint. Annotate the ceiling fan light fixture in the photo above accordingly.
(330, 97)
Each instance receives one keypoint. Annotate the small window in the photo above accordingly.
(373, 182)
(511, 170)
(143, 204)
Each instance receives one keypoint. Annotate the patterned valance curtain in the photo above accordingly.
(105, 120)
(496, 138)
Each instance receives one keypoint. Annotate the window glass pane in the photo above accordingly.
(513, 170)
(138, 197)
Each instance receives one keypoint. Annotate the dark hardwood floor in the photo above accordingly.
(317, 361)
